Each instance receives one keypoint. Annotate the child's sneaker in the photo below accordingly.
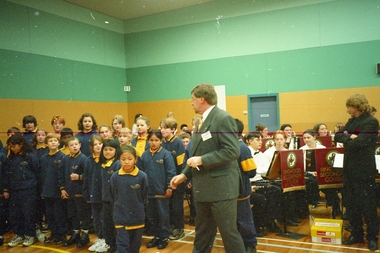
(95, 245)
(28, 241)
(18, 239)
(102, 247)
(40, 236)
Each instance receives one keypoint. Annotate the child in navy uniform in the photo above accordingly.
(109, 157)
(87, 126)
(140, 142)
(92, 191)
(3, 200)
(39, 145)
(247, 167)
(29, 122)
(175, 146)
(21, 173)
(53, 167)
(159, 166)
(129, 188)
(79, 211)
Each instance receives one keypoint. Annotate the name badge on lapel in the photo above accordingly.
(206, 136)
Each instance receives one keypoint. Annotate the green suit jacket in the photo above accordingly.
(217, 143)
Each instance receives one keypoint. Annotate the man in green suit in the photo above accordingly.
(214, 172)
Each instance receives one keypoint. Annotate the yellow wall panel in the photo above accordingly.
(13, 110)
(305, 109)
(300, 109)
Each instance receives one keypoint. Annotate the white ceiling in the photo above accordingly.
(129, 9)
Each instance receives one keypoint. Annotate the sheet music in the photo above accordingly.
(338, 161)
(377, 158)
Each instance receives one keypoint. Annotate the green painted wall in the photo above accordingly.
(325, 45)
(54, 50)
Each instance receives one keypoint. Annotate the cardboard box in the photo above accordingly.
(327, 231)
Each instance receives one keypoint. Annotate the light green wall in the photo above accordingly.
(316, 25)
(37, 32)
(326, 45)
(251, 47)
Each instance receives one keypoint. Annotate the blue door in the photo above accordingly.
(263, 110)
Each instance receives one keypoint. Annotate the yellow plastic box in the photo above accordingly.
(327, 231)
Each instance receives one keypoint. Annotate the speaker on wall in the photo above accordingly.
(378, 68)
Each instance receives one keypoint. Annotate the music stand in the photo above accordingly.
(274, 172)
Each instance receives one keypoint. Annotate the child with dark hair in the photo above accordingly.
(109, 158)
(66, 134)
(159, 166)
(29, 122)
(87, 127)
(78, 209)
(247, 166)
(134, 126)
(129, 185)
(53, 166)
(11, 131)
(3, 200)
(21, 172)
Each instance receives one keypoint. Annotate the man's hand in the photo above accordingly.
(176, 180)
(194, 161)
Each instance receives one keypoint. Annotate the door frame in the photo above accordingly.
(252, 128)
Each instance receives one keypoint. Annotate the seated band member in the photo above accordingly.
(273, 194)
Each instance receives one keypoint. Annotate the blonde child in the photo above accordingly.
(140, 142)
(175, 146)
(53, 166)
(78, 209)
(118, 123)
(125, 136)
(105, 132)
(92, 191)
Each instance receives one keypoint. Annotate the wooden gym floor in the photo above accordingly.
(267, 244)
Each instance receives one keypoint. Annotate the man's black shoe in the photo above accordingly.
(74, 238)
(250, 249)
(163, 243)
(272, 226)
(352, 240)
(153, 242)
(372, 245)
(83, 241)
(261, 232)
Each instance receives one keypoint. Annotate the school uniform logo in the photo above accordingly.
(160, 161)
(136, 186)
